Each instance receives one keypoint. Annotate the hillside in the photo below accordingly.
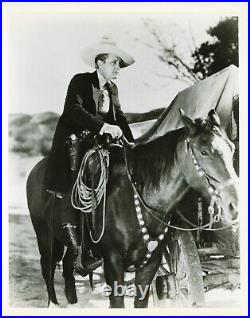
(32, 134)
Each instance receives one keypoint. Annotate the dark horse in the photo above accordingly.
(198, 156)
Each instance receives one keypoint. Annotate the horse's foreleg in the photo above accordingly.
(114, 275)
(68, 268)
(143, 279)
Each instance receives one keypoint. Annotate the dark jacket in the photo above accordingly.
(79, 113)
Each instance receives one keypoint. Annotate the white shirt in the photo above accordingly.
(106, 98)
(106, 101)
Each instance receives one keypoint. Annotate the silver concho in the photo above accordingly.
(152, 246)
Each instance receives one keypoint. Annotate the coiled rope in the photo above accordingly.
(86, 199)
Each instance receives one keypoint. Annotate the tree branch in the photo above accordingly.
(170, 56)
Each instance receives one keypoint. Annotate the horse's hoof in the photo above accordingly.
(53, 305)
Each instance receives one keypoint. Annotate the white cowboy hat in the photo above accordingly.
(89, 54)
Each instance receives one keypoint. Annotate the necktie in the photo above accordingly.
(103, 100)
(100, 100)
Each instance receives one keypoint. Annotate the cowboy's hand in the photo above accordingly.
(113, 130)
(131, 145)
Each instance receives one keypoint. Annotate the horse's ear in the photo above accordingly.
(188, 122)
(214, 117)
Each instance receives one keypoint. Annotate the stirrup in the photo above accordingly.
(84, 271)
(80, 270)
(96, 262)
(87, 267)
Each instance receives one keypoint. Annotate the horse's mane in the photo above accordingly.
(152, 159)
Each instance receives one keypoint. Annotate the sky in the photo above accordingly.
(43, 45)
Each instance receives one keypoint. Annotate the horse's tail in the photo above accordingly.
(91, 280)
(38, 200)
(35, 191)
(51, 243)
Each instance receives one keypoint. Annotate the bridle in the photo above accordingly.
(215, 201)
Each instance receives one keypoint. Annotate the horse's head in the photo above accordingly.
(206, 158)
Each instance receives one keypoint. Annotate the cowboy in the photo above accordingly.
(91, 103)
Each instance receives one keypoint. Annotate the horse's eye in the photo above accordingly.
(204, 153)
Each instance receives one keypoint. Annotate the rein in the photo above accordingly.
(150, 210)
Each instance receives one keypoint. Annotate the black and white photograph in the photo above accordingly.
(125, 158)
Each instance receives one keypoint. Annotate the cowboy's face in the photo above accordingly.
(110, 67)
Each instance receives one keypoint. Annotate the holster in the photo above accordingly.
(75, 145)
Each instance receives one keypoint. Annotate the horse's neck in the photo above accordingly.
(158, 173)
(168, 192)
(162, 199)
(172, 187)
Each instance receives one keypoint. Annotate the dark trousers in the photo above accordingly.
(68, 213)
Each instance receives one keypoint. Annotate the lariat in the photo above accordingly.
(85, 198)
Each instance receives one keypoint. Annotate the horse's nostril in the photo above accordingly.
(234, 209)
(232, 206)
